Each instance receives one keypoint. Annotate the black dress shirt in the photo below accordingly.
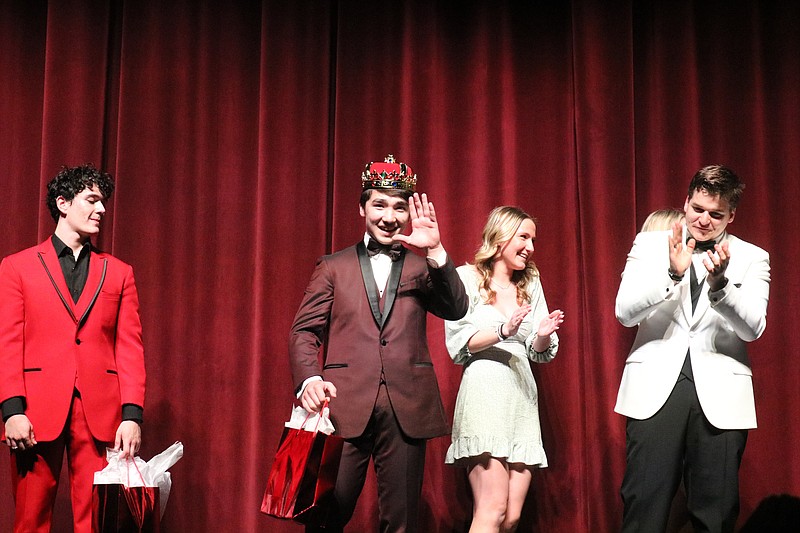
(75, 270)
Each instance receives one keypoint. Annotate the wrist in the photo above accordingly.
(674, 275)
(500, 334)
(541, 343)
(718, 286)
(437, 254)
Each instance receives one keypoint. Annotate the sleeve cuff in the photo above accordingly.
(306, 382)
(715, 297)
(439, 261)
(13, 406)
(131, 411)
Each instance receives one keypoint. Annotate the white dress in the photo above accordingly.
(497, 409)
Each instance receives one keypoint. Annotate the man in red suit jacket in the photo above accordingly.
(368, 305)
(71, 358)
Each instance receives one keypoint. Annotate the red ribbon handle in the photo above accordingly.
(316, 428)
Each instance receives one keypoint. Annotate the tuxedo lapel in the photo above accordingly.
(369, 283)
(47, 256)
(98, 265)
(686, 301)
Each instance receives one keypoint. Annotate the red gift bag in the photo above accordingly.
(117, 508)
(120, 509)
(302, 477)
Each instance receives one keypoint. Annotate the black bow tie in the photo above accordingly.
(392, 250)
(702, 246)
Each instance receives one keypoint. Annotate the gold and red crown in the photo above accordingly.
(388, 175)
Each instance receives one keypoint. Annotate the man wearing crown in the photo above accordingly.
(368, 304)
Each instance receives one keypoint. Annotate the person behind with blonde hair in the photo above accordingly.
(662, 219)
(496, 433)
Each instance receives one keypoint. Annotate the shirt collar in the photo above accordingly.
(62, 249)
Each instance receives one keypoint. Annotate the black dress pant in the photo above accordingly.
(399, 463)
(679, 441)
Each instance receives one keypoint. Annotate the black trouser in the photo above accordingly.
(679, 440)
(399, 463)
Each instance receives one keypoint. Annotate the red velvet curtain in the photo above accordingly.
(237, 133)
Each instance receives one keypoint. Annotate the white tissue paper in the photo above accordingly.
(152, 473)
(313, 422)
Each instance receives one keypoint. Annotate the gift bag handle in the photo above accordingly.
(138, 506)
(316, 427)
(128, 471)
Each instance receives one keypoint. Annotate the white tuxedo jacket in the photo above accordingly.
(715, 334)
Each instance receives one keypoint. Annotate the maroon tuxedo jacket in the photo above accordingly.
(49, 345)
(341, 311)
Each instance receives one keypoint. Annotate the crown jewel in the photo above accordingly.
(388, 175)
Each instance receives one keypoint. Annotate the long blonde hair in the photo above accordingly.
(501, 226)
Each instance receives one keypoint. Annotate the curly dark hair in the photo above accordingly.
(72, 181)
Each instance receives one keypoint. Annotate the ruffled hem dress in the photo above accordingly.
(497, 408)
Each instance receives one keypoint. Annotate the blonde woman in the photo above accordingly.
(496, 433)
(662, 219)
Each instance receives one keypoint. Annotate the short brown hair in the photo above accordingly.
(718, 180)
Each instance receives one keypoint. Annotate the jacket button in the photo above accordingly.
(77, 341)
(383, 342)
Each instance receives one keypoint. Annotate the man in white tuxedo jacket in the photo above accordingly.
(697, 295)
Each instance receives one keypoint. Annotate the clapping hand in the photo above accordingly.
(512, 326)
(680, 255)
(547, 327)
(550, 323)
(716, 264)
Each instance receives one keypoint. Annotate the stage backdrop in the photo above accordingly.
(237, 132)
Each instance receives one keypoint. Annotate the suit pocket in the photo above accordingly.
(114, 372)
(413, 284)
(423, 364)
(739, 369)
(335, 365)
(634, 358)
(109, 295)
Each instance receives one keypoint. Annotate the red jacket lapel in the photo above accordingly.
(49, 259)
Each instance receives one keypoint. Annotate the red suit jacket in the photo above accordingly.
(341, 311)
(49, 345)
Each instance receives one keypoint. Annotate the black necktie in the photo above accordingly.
(392, 250)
